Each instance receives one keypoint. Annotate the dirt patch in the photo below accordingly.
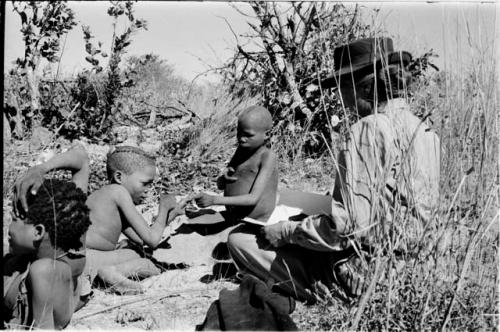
(177, 299)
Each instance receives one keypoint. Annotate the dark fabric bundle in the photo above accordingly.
(252, 307)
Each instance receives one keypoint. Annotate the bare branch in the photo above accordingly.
(240, 11)
(230, 28)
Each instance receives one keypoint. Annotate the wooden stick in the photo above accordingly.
(156, 297)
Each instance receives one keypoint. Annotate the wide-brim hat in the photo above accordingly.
(363, 53)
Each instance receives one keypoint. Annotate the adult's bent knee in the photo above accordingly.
(240, 239)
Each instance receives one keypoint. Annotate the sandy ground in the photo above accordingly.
(177, 299)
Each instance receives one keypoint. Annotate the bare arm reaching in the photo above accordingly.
(75, 159)
(177, 211)
(149, 235)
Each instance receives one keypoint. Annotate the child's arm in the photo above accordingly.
(177, 211)
(268, 164)
(132, 235)
(150, 235)
(75, 159)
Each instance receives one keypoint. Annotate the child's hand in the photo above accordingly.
(181, 206)
(204, 200)
(31, 181)
(227, 177)
(167, 202)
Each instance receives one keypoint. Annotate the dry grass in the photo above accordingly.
(452, 286)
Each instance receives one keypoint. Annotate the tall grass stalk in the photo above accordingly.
(452, 282)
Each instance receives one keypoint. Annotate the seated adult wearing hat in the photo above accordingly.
(385, 193)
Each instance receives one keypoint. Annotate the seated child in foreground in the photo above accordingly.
(251, 179)
(131, 173)
(112, 211)
(41, 272)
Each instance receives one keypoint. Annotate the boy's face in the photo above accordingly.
(22, 236)
(251, 135)
(139, 182)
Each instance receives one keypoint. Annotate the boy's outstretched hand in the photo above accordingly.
(204, 200)
(168, 202)
(31, 181)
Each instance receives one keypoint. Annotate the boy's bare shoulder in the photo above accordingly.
(109, 191)
(47, 267)
(268, 155)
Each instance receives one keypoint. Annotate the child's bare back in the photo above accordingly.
(107, 223)
(245, 172)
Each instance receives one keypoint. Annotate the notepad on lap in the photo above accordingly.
(281, 212)
(292, 203)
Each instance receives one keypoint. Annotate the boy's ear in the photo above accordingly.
(118, 177)
(39, 232)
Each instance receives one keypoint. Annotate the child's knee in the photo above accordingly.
(148, 267)
(107, 270)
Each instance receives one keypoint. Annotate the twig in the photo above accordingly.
(155, 298)
(69, 116)
(468, 258)
(364, 300)
(193, 114)
(101, 311)
(230, 28)
(61, 55)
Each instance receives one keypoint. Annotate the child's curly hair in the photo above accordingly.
(60, 206)
(127, 159)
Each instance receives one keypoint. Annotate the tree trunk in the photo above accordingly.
(152, 115)
(33, 90)
(6, 130)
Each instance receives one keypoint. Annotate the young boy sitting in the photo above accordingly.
(41, 272)
(251, 179)
(131, 173)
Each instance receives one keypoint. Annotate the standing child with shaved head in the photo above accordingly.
(251, 179)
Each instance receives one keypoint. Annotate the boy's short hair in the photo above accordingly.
(127, 159)
(60, 206)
